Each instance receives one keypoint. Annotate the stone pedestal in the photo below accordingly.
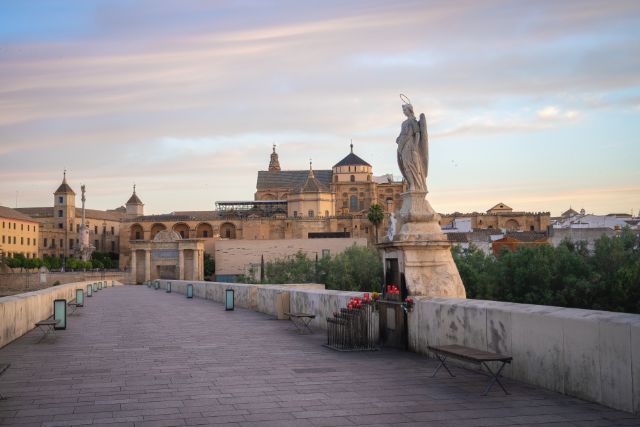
(422, 251)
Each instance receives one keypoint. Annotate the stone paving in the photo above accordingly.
(135, 356)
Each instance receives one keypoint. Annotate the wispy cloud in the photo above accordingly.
(145, 88)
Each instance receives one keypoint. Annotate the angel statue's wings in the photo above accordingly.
(424, 144)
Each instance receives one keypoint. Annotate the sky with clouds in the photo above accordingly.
(534, 104)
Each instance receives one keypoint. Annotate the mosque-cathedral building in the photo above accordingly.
(288, 204)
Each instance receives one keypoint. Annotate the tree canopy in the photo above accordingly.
(358, 268)
(606, 278)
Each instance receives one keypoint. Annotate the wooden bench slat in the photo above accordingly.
(471, 354)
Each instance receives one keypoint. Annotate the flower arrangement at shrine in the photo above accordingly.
(407, 305)
(393, 290)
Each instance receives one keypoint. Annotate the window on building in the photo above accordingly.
(60, 199)
(113, 230)
(70, 243)
(34, 242)
(326, 213)
(95, 229)
(77, 228)
(59, 225)
(361, 204)
(113, 246)
(353, 203)
(2, 224)
(14, 225)
(95, 244)
(138, 237)
(61, 244)
(59, 213)
(182, 233)
(531, 228)
(45, 242)
(311, 213)
(352, 178)
(295, 214)
(205, 233)
(2, 239)
(21, 227)
(104, 229)
(28, 240)
(14, 240)
(366, 230)
(28, 227)
(228, 233)
(326, 252)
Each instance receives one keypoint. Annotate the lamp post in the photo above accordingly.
(79, 298)
(189, 290)
(89, 290)
(229, 300)
(168, 287)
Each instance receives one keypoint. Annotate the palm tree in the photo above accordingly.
(376, 215)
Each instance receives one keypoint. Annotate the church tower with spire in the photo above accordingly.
(274, 164)
(135, 207)
(64, 213)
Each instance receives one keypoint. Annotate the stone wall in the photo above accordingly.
(594, 355)
(15, 283)
(19, 313)
(302, 298)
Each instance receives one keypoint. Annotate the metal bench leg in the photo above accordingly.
(45, 331)
(306, 323)
(442, 360)
(494, 378)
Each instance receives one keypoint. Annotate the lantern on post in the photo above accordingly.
(168, 287)
(89, 290)
(99, 286)
(60, 313)
(79, 298)
(95, 287)
(189, 290)
(229, 300)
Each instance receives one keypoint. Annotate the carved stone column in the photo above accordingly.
(147, 264)
(196, 274)
(180, 264)
(133, 267)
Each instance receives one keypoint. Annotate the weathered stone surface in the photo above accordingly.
(139, 356)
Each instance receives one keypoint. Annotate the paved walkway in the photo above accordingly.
(134, 356)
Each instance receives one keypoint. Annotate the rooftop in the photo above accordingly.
(136, 356)
(9, 213)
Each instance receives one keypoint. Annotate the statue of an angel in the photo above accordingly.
(413, 148)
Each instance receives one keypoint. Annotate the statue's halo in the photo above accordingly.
(405, 99)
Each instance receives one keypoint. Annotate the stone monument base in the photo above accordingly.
(421, 253)
(427, 266)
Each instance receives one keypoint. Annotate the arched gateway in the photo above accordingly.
(167, 256)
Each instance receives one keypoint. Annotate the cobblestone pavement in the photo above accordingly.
(134, 356)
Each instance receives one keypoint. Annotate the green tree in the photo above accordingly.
(358, 268)
(607, 278)
(209, 265)
(375, 216)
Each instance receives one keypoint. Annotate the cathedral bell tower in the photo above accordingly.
(64, 213)
(274, 164)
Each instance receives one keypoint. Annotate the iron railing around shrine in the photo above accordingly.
(353, 329)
